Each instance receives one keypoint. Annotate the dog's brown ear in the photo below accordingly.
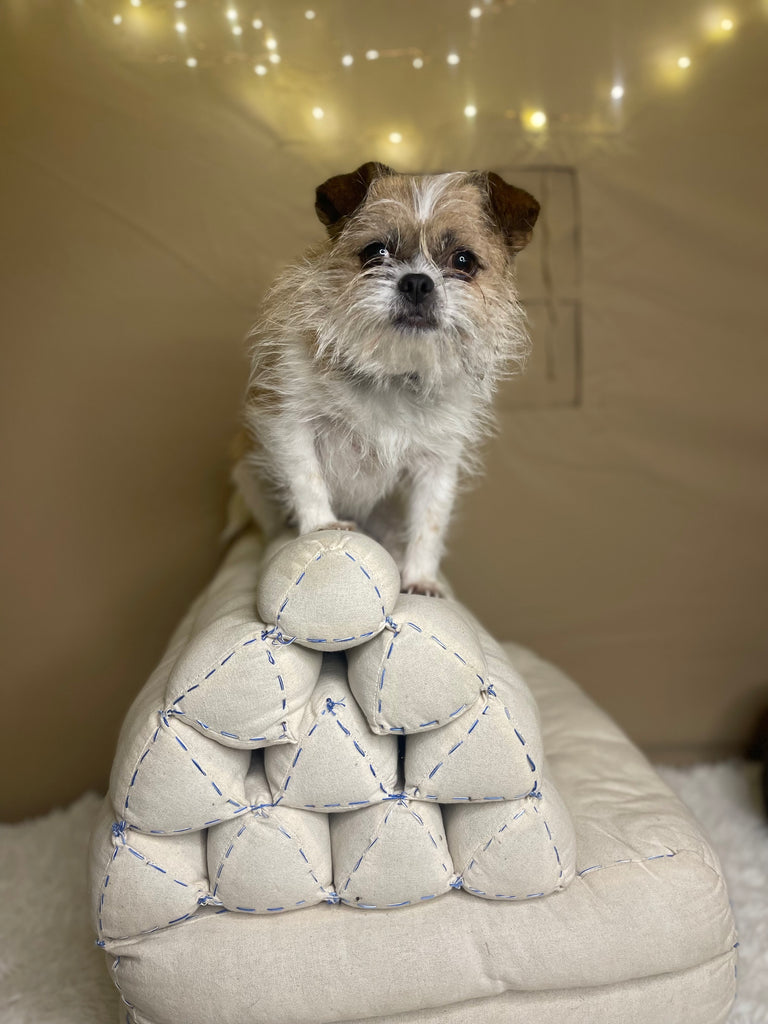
(341, 195)
(513, 209)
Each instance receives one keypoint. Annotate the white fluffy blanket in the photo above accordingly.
(52, 973)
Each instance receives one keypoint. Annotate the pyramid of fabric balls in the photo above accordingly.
(314, 735)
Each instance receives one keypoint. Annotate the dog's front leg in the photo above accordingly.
(294, 455)
(429, 511)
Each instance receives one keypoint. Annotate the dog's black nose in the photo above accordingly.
(416, 287)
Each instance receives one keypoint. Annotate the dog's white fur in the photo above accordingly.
(358, 399)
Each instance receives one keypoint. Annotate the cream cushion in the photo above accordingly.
(642, 935)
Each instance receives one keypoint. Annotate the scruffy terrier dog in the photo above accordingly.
(375, 365)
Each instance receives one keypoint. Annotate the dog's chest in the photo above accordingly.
(369, 449)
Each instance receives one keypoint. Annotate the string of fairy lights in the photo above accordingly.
(259, 47)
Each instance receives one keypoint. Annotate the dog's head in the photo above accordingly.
(418, 279)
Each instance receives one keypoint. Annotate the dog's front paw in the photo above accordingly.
(427, 588)
(343, 524)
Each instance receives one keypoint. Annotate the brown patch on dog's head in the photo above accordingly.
(514, 210)
(339, 197)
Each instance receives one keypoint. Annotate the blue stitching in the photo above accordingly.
(330, 708)
(176, 712)
(318, 640)
(397, 630)
(288, 836)
(276, 635)
(131, 784)
(120, 835)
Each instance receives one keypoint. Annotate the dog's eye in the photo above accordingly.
(375, 252)
(465, 262)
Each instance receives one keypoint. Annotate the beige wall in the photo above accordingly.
(620, 532)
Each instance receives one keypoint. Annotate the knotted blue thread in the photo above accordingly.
(331, 704)
(333, 897)
(277, 636)
(118, 830)
(390, 623)
(490, 691)
(457, 883)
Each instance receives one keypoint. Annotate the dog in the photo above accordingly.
(375, 364)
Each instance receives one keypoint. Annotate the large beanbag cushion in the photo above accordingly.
(390, 819)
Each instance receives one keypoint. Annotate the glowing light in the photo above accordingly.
(274, 58)
(470, 110)
(180, 27)
(395, 137)
(718, 24)
(232, 14)
(347, 60)
(260, 69)
(271, 44)
(617, 92)
(191, 62)
(684, 62)
(537, 119)
(257, 23)
(237, 30)
(179, 4)
(453, 58)
(418, 63)
(372, 55)
(135, 3)
(118, 19)
(475, 12)
(318, 113)
(309, 15)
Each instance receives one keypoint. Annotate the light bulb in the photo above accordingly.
(475, 12)
(395, 137)
(257, 23)
(617, 92)
(180, 3)
(726, 24)
(683, 62)
(260, 69)
(232, 14)
(271, 44)
(135, 3)
(274, 58)
(347, 60)
(372, 55)
(237, 30)
(318, 113)
(470, 110)
(418, 63)
(191, 62)
(453, 58)
(537, 119)
(309, 15)
(118, 19)
(180, 27)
